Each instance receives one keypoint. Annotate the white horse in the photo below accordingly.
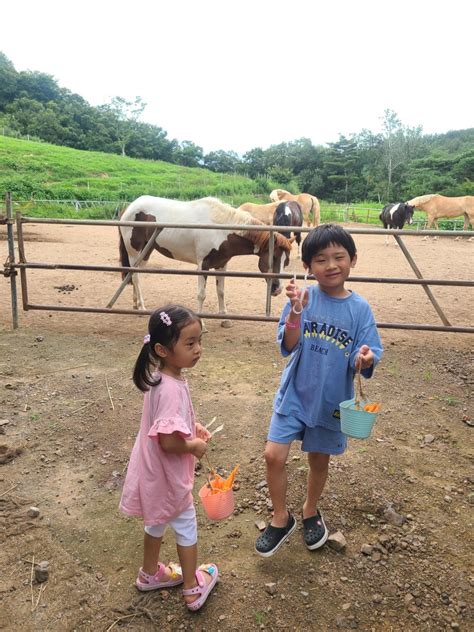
(207, 248)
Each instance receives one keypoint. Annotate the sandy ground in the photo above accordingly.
(66, 445)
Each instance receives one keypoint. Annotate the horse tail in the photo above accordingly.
(124, 258)
(315, 208)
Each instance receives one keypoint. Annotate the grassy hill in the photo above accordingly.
(53, 181)
(49, 172)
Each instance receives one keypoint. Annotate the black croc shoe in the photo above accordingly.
(315, 532)
(273, 537)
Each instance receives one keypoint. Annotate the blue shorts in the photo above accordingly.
(286, 428)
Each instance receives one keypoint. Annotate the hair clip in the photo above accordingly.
(146, 339)
(165, 319)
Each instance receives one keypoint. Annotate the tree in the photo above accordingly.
(254, 163)
(8, 82)
(24, 114)
(393, 146)
(188, 154)
(126, 114)
(341, 165)
(221, 161)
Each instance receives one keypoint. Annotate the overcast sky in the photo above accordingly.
(239, 74)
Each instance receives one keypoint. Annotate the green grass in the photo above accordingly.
(39, 171)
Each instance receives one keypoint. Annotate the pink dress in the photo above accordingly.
(158, 485)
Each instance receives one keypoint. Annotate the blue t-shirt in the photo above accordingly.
(320, 372)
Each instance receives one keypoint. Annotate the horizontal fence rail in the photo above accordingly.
(228, 273)
(254, 227)
(23, 265)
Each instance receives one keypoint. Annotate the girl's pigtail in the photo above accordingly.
(143, 370)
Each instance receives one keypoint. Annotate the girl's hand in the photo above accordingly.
(365, 358)
(202, 432)
(297, 297)
(198, 447)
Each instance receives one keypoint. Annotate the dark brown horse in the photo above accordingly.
(289, 214)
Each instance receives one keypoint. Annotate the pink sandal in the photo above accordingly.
(152, 582)
(203, 589)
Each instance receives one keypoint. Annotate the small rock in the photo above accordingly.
(429, 438)
(408, 599)
(39, 338)
(271, 588)
(261, 525)
(377, 598)
(42, 572)
(367, 549)
(33, 512)
(337, 541)
(391, 516)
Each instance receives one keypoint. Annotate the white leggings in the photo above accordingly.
(184, 527)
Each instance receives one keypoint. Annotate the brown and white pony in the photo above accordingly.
(437, 206)
(207, 248)
(309, 204)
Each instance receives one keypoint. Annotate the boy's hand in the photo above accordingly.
(202, 432)
(295, 295)
(365, 358)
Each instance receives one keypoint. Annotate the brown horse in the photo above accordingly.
(309, 204)
(437, 206)
(263, 212)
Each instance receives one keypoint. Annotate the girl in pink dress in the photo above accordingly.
(160, 476)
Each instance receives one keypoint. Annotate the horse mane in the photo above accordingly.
(422, 199)
(278, 195)
(223, 213)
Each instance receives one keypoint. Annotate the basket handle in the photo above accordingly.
(360, 394)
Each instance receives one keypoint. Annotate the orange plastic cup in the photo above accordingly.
(217, 506)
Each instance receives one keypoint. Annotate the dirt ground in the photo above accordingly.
(69, 414)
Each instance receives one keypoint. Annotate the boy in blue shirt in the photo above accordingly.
(329, 332)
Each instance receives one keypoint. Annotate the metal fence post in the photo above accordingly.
(11, 259)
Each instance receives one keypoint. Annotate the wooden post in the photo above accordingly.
(416, 270)
(271, 243)
(11, 259)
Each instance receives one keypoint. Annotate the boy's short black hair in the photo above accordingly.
(323, 236)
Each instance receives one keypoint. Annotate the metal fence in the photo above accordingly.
(11, 267)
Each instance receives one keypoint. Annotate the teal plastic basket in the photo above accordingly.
(356, 423)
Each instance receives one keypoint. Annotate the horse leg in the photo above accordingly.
(220, 282)
(298, 242)
(201, 295)
(138, 302)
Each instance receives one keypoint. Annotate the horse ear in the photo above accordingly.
(292, 239)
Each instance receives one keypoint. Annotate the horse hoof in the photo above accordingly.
(227, 324)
